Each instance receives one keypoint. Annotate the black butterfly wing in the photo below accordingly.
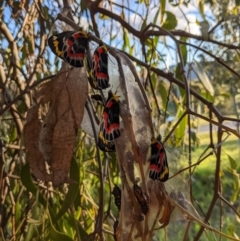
(70, 46)
(111, 120)
(57, 43)
(103, 144)
(76, 46)
(100, 67)
(158, 162)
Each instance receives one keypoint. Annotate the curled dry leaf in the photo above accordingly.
(67, 111)
(49, 92)
(31, 137)
(67, 94)
(168, 208)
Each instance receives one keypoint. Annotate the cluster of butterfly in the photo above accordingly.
(71, 46)
(141, 198)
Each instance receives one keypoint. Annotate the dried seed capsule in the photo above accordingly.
(117, 196)
(141, 198)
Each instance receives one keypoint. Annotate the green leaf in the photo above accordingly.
(56, 235)
(203, 78)
(82, 232)
(28, 183)
(180, 130)
(171, 21)
(18, 211)
(184, 50)
(13, 135)
(113, 37)
(236, 185)
(132, 50)
(31, 233)
(163, 93)
(103, 16)
(233, 163)
(155, 41)
(163, 7)
(126, 39)
(153, 80)
(27, 180)
(225, 95)
(206, 95)
(237, 2)
(144, 24)
(179, 76)
(201, 8)
(72, 190)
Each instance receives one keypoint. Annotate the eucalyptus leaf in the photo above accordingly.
(170, 22)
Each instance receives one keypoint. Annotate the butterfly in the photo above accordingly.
(110, 118)
(70, 46)
(99, 71)
(141, 198)
(109, 128)
(117, 195)
(158, 161)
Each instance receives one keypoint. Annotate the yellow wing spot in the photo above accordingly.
(58, 51)
(100, 135)
(92, 77)
(164, 173)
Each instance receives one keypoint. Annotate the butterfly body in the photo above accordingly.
(70, 46)
(158, 161)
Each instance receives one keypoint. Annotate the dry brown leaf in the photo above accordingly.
(63, 142)
(57, 139)
(77, 87)
(31, 137)
(45, 138)
(49, 90)
(54, 140)
(44, 95)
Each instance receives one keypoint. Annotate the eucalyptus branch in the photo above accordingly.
(216, 184)
(213, 56)
(94, 6)
(99, 222)
(221, 21)
(202, 224)
(150, 81)
(26, 90)
(201, 159)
